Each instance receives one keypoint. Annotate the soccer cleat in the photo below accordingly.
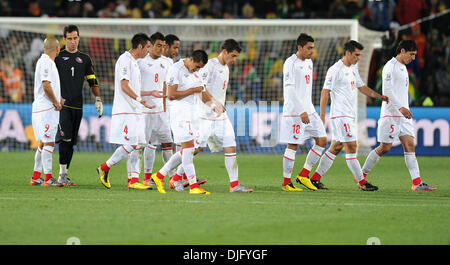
(199, 182)
(104, 179)
(149, 182)
(240, 188)
(199, 191)
(305, 182)
(52, 183)
(423, 186)
(368, 187)
(138, 186)
(290, 187)
(159, 183)
(319, 185)
(65, 180)
(178, 186)
(37, 182)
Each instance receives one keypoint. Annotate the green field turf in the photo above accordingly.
(340, 215)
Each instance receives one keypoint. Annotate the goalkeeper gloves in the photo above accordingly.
(99, 106)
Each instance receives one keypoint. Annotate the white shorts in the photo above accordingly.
(183, 124)
(343, 129)
(45, 125)
(390, 128)
(127, 129)
(216, 133)
(294, 131)
(157, 128)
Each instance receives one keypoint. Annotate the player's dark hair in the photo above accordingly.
(140, 38)
(408, 45)
(70, 28)
(352, 45)
(303, 39)
(199, 56)
(156, 36)
(231, 45)
(170, 39)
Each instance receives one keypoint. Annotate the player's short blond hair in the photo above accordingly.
(50, 44)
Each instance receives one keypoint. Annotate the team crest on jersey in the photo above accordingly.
(388, 77)
(78, 59)
(162, 66)
(309, 66)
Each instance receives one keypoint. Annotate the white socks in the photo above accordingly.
(38, 160)
(167, 153)
(413, 167)
(133, 164)
(118, 155)
(188, 164)
(46, 157)
(149, 158)
(173, 162)
(231, 166)
(325, 163)
(371, 161)
(354, 166)
(288, 162)
(313, 156)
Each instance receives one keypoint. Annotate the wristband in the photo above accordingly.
(138, 99)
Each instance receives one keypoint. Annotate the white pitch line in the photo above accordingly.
(314, 203)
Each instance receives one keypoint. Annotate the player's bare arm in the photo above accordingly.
(49, 93)
(165, 95)
(127, 90)
(153, 93)
(324, 95)
(305, 118)
(174, 94)
(406, 113)
(370, 93)
(214, 104)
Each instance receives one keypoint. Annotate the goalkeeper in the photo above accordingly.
(73, 68)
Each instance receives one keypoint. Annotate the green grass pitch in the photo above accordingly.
(340, 215)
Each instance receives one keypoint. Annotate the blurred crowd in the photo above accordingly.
(258, 74)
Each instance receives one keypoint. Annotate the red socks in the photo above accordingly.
(104, 167)
(234, 184)
(304, 173)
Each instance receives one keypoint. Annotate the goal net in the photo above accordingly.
(255, 92)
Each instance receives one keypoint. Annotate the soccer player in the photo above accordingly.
(216, 130)
(342, 81)
(73, 67)
(45, 113)
(300, 120)
(157, 128)
(126, 127)
(184, 86)
(395, 118)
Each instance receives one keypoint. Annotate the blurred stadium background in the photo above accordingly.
(257, 75)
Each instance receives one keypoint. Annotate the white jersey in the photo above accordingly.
(395, 86)
(45, 71)
(126, 68)
(215, 77)
(153, 73)
(343, 81)
(297, 86)
(179, 75)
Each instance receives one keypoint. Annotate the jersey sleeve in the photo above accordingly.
(45, 71)
(288, 73)
(205, 74)
(90, 73)
(124, 69)
(388, 86)
(172, 77)
(359, 82)
(330, 79)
